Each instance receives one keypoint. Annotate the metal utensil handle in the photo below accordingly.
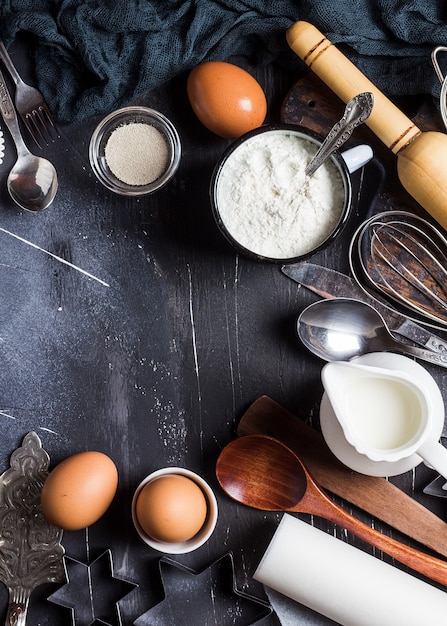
(30, 551)
(4, 56)
(426, 355)
(342, 130)
(443, 102)
(411, 330)
(443, 80)
(434, 59)
(9, 115)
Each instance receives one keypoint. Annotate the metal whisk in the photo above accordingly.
(404, 257)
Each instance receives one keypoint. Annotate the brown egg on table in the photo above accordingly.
(171, 508)
(79, 490)
(227, 99)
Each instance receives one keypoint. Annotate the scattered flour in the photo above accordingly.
(268, 204)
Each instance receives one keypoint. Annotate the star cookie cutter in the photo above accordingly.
(92, 592)
(210, 596)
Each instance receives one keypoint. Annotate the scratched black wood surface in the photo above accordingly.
(153, 356)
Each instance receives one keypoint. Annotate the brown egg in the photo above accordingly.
(226, 98)
(79, 490)
(171, 508)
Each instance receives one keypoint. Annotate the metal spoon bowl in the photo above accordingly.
(32, 182)
(261, 472)
(340, 329)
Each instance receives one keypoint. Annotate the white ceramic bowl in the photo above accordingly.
(204, 533)
(133, 115)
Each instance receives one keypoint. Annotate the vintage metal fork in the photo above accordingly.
(30, 105)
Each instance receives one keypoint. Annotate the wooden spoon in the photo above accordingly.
(378, 496)
(263, 473)
(421, 155)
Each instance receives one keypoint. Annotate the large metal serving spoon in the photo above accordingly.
(263, 473)
(340, 329)
(32, 182)
(356, 112)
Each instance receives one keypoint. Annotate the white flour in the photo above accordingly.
(269, 205)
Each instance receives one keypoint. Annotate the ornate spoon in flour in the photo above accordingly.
(356, 112)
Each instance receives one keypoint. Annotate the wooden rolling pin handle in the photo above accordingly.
(392, 126)
(421, 155)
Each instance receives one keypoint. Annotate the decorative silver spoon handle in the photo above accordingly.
(30, 550)
(356, 112)
(4, 56)
(9, 115)
(420, 353)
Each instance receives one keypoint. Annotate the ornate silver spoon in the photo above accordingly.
(356, 112)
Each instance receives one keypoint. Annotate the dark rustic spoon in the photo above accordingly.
(263, 473)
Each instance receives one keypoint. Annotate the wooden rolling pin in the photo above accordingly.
(421, 156)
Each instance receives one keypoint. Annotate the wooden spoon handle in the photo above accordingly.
(318, 503)
(392, 126)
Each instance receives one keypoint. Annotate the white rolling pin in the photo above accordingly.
(344, 583)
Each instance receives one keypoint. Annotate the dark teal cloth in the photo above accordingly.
(92, 56)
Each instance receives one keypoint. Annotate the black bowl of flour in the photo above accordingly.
(266, 206)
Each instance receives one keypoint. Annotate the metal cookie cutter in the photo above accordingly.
(442, 80)
(191, 597)
(92, 591)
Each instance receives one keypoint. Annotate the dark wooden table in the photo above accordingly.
(156, 368)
